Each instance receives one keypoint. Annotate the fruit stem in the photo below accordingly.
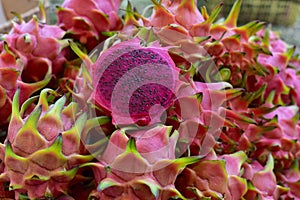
(42, 10)
(83, 56)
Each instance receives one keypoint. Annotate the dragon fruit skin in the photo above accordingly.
(111, 8)
(204, 178)
(111, 172)
(258, 174)
(224, 44)
(283, 77)
(291, 179)
(240, 178)
(6, 84)
(54, 131)
(110, 186)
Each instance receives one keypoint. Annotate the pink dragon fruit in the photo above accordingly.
(142, 165)
(258, 174)
(46, 165)
(15, 75)
(214, 178)
(148, 74)
(224, 44)
(277, 64)
(290, 177)
(183, 13)
(86, 25)
(33, 40)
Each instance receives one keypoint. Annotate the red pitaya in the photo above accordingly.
(33, 40)
(183, 13)
(46, 165)
(27, 61)
(291, 178)
(13, 75)
(143, 164)
(147, 75)
(86, 20)
(199, 180)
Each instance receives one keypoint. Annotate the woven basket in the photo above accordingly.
(277, 12)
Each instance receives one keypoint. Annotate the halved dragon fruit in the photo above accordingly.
(134, 83)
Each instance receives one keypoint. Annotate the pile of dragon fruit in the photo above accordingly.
(112, 102)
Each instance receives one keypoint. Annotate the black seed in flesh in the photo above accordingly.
(151, 94)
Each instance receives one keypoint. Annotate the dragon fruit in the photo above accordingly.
(183, 13)
(33, 40)
(14, 75)
(136, 166)
(214, 178)
(183, 102)
(87, 25)
(290, 178)
(283, 76)
(150, 70)
(23, 52)
(48, 162)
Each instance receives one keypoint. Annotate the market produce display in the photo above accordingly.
(112, 102)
